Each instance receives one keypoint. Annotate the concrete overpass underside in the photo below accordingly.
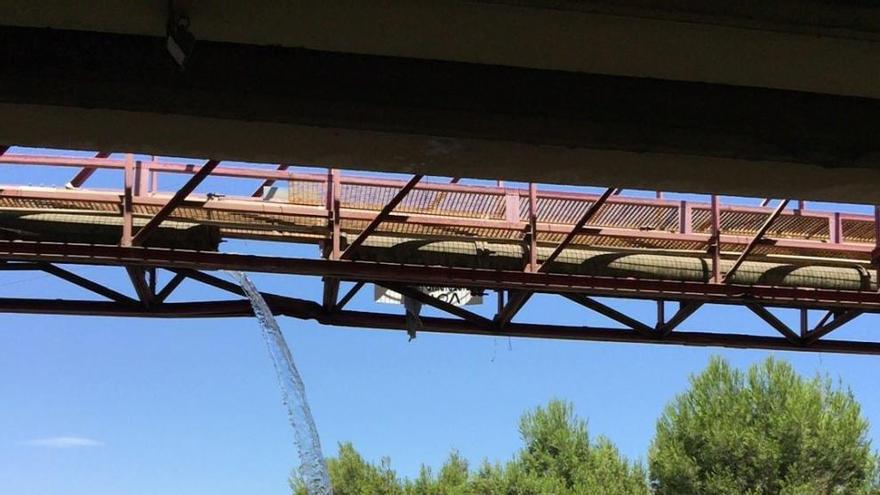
(762, 100)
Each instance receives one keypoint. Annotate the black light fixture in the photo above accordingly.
(179, 40)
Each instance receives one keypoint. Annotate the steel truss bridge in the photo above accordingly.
(403, 234)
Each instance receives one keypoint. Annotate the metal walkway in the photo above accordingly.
(409, 233)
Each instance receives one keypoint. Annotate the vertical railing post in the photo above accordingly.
(154, 176)
(685, 218)
(511, 207)
(333, 207)
(533, 227)
(127, 199)
(141, 178)
(835, 228)
(334, 250)
(715, 242)
(148, 177)
(875, 256)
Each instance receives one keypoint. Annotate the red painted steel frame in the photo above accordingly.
(841, 306)
(835, 244)
(91, 254)
(359, 319)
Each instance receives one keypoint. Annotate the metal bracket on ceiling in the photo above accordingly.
(179, 40)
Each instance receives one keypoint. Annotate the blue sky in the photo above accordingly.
(99, 406)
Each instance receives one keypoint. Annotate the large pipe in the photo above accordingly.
(595, 262)
(103, 229)
(106, 229)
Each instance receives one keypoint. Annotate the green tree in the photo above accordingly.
(452, 479)
(558, 457)
(766, 431)
(350, 474)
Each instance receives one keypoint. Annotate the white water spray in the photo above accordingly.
(313, 468)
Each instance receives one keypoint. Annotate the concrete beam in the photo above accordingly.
(804, 45)
(288, 105)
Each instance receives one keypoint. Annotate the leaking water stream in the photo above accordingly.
(313, 468)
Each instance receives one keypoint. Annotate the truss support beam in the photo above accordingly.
(170, 287)
(825, 328)
(685, 310)
(234, 288)
(331, 293)
(111, 255)
(350, 294)
(86, 283)
(518, 300)
(804, 323)
(20, 266)
(179, 197)
(292, 306)
(515, 302)
(499, 300)
(690, 338)
(211, 280)
(84, 173)
(775, 322)
(309, 310)
(139, 281)
(381, 217)
(258, 192)
(661, 314)
(828, 315)
(611, 313)
(755, 240)
(578, 227)
(441, 305)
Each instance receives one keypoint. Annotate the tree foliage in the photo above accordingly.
(350, 474)
(760, 432)
(765, 431)
(557, 458)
